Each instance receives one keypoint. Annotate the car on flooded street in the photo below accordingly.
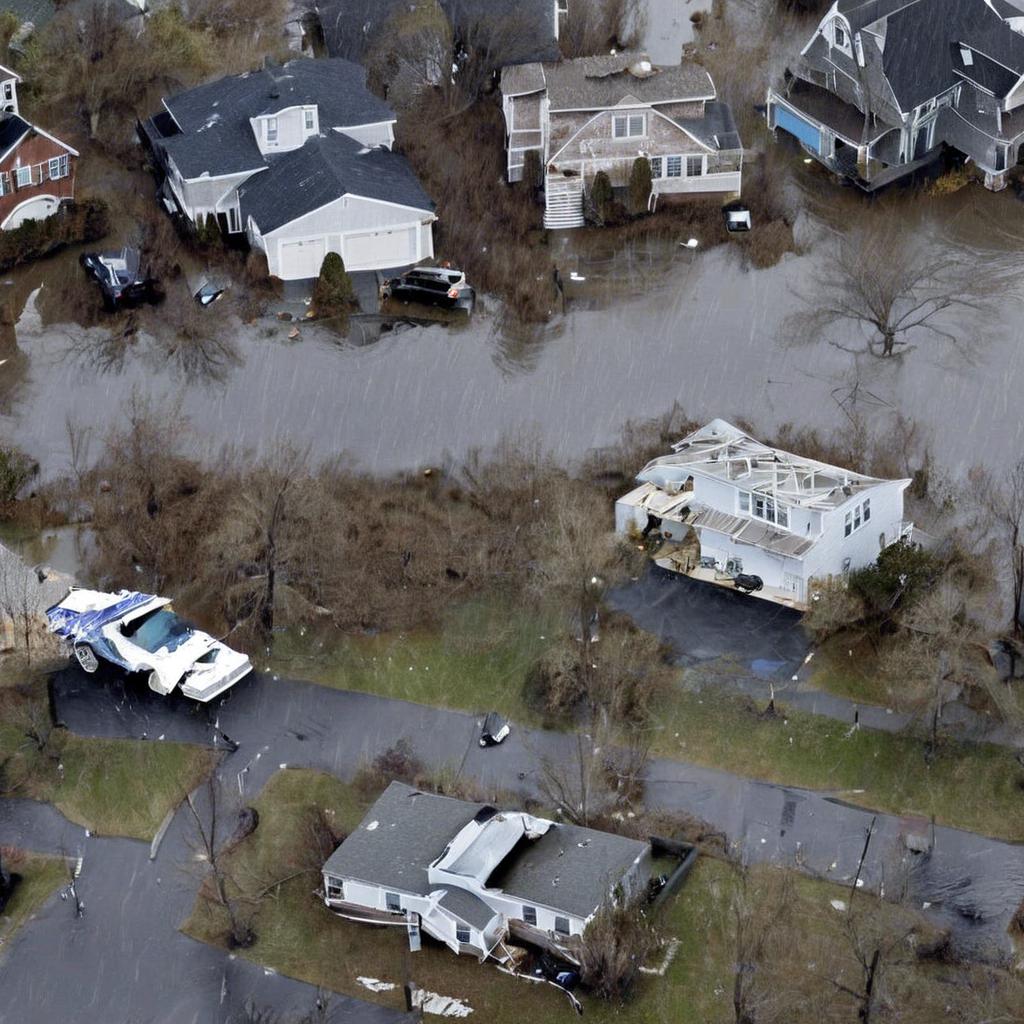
(431, 286)
(140, 633)
(736, 216)
(495, 730)
(120, 277)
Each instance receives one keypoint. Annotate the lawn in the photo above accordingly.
(974, 786)
(847, 668)
(475, 661)
(111, 787)
(40, 877)
(299, 937)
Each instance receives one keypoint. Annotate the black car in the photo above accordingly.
(432, 286)
(120, 278)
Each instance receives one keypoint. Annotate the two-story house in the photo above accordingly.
(601, 113)
(297, 160)
(728, 504)
(471, 875)
(37, 170)
(882, 85)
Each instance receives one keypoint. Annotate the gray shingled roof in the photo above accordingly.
(467, 907)
(12, 130)
(569, 868)
(403, 833)
(326, 168)
(214, 118)
(594, 83)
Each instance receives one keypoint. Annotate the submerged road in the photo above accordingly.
(126, 961)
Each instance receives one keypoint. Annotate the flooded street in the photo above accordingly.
(707, 333)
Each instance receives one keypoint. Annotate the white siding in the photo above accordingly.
(370, 135)
(291, 130)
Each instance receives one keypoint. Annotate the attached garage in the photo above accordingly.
(373, 250)
(301, 259)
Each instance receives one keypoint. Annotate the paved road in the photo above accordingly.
(125, 960)
(756, 647)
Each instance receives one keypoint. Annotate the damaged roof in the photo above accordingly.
(721, 450)
(326, 168)
(595, 83)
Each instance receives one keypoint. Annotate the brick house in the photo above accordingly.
(601, 113)
(37, 170)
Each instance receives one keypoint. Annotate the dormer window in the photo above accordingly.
(839, 35)
(272, 131)
(967, 57)
(310, 120)
(628, 126)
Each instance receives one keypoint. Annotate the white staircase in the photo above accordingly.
(563, 203)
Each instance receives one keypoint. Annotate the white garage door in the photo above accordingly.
(376, 250)
(300, 260)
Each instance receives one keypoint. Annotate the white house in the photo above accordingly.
(471, 875)
(321, 140)
(728, 504)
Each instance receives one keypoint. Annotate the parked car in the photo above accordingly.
(748, 583)
(737, 216)
(432, 286)
(495, 730)
(140, 633)
(120, 278)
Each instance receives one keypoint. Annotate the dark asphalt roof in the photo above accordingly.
(524, 28)
(843, 118)
(717, 127)
(326, 168)
(214, 118)
(403, 833)
(467, 907)
(922, 37)
(12, 128)
(569, 868)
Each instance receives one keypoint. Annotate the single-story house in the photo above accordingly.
(602, 113)
(471, 875)
(883, 85)
(727, 504)
(37, 170)
(289, 123)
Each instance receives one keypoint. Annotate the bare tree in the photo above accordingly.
(615, 946)
(412, 51)
(882, 290)
(1000, 499)
(595, 26)
(207, 815)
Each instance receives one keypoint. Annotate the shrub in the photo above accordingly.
(640, 186)
(208, 231)
(552, 685)
(16, 469)
(614, 948)
(602, 196)
(74, 223)
(900, 576)
(833, 607)
(333, 294)
(397, 762)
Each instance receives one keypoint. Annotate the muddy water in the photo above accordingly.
(649, 327)
(669, 28)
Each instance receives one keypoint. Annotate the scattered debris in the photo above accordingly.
(671, 948)
(375, 985)
(441, 1006)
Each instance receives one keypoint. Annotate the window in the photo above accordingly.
(8, 90)
(745, 502)
(272, 130)
(856, 517)
(335, 888)
(563, 6)
(5, 183)
(967, 57)
(694, 166)
(562, 925)
(782, 516)
(763, 506)
(310, 119)
(848, 524)
(461, 933)
(628, 126)
(23, 176)
(655, 166)
(393, 901)
(839, 34)
(867, 509)
(530, 915)
(58, 167)
(674, 166)
(234, 220)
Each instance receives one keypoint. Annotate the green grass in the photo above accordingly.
(111, 787)
(848, 668)
(475, 661)
(299, 937)
(974, 786)
(41, 876)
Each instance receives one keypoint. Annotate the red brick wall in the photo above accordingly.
(33, 150)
